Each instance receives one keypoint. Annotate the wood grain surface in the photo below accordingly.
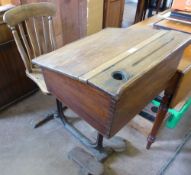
(136, 69)
(182, 89)
(33, 32)
(94, 59)
(113, 13)
(88, 102)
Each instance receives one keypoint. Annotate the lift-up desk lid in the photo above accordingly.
(112, 59)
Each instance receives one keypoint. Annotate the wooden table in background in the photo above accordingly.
(184, 69)
(182, 88)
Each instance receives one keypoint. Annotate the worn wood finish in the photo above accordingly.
(21, 13)
(113, 13)
(106, 100)
(74, 19)
(120, 57)
(23, 35)
(179, 90)
(184, 67)
(183, 87)
(14, 84)
(31, 43)
(81, 98)
(51, 33)
(154, 85)
(95, 51)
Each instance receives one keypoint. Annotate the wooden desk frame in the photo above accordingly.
(170, 98)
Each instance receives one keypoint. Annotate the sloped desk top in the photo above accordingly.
(113, 58)
(183, 87)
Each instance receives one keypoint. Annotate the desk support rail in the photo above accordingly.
(96, 148)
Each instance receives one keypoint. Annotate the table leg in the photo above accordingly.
(163, 108)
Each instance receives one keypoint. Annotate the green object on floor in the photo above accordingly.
(175, 115)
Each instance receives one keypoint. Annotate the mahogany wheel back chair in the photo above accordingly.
(32, 29)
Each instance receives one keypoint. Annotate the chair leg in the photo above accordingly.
(45, 120)
(50, 117)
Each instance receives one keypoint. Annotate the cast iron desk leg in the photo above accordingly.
(96, 148)
(100, 149)
(48, 117)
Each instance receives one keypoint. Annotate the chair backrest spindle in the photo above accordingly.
(51, 32)
(23, 36)
(21, 50)
(45, 34)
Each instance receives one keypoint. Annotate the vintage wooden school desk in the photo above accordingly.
(182, 88)
(107, 78)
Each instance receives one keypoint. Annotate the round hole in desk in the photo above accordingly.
(120, 75)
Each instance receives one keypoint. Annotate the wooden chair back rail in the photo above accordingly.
(32, 28)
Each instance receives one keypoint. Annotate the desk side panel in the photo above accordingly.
(183, 88)
(142, 91)
(90, 104)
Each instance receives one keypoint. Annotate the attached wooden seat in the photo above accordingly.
(38, 78)
(32, 29)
